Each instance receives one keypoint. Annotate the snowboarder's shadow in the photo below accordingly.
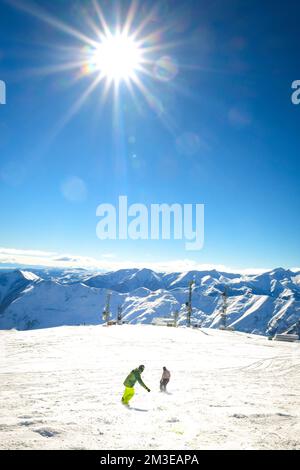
(138, 409)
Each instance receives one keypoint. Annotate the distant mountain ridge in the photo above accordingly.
(40, 298)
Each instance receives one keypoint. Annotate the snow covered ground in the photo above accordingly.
(61, 389)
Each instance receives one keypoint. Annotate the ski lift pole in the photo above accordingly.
(189, 304)
(224, 308)
(119, 317)
(106, 312)
(175, 315)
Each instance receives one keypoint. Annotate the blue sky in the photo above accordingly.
(220, 130)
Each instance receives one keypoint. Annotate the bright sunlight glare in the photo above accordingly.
(117, 57)
(134, 55)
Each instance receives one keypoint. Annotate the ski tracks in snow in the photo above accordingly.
(61, 389)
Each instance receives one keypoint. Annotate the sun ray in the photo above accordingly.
(155, 104)
(77, 105)
(53, 69)
(130, 17)
(139, 29)
(102, 20)
(94, 27)
(135, 52)
(36, 11)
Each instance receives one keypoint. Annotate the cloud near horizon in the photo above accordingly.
(108, 262)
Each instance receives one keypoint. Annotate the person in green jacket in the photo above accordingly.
(129, 382)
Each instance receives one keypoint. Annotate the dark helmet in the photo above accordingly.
(164, 368)
(141, 368)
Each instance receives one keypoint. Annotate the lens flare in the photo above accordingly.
(165, 69)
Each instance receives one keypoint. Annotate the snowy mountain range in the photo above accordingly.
(260, 304)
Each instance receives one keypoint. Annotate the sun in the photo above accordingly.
(134, 52)
(118, 57)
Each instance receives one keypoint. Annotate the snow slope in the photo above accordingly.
(263, 304)
(61, 389)
(12, 283)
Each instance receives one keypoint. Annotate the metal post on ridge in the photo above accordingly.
(106, 311)
(189, 304)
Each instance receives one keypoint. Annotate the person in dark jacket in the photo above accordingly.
(130, 381)
(165, 378)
